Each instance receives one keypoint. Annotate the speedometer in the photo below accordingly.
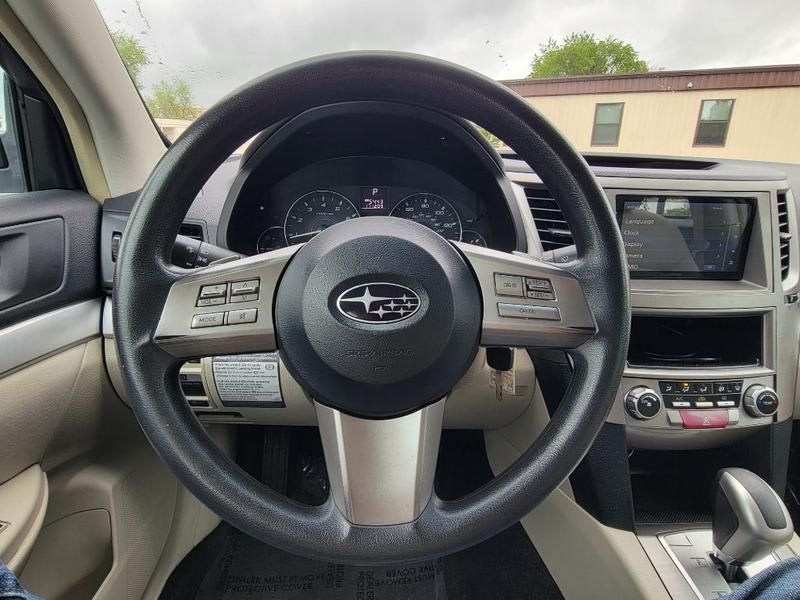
(314, 212)
(432, 211)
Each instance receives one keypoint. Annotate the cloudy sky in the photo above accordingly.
(217, 45)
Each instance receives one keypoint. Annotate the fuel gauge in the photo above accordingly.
(473, 237)
(271, 239)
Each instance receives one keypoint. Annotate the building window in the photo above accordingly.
(712, 125)
(607, 120)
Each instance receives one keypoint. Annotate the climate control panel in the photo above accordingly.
(714, 403)
(702, 394)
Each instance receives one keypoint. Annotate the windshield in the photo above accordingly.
(714, 79)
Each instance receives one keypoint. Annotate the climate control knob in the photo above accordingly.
(761, 401)
(642, 403)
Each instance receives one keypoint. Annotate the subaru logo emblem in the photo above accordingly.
(378, 303)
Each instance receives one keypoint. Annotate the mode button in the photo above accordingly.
(208, 320)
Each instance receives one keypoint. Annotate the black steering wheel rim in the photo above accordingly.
(144, 277)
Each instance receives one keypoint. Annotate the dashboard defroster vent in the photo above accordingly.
(553, 230)
(785, 236)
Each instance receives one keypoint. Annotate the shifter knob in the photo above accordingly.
(750, 519)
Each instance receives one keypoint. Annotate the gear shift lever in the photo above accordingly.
(750, 520)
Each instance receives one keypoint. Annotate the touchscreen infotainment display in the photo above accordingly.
(685, 237)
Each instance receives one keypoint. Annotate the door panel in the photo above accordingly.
(24, 502)
(48, 252)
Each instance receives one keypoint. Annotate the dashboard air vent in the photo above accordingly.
(553, 230)
(784, 234)
(192, 230)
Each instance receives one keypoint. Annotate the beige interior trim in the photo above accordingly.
(71, 112)
(192, 521)
(23, 504)
(585, 558)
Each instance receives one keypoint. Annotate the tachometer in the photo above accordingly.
(432, 211)
(314, 212)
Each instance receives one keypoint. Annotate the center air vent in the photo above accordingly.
(553, 230)
(785, 235)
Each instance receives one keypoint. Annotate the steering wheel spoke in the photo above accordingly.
(529, 302)
(381, 470)
(223, 309)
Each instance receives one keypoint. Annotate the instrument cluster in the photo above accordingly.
(321, 195)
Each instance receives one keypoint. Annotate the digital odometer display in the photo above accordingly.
(680, 237)
(374, 200)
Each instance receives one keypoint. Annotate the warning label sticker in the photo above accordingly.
(248, 379)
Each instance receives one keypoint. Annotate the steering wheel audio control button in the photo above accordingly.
(244, 298)
(214, 291)
(211, 301)
(508, 285)
(527, 311)
(244, 287)
(239, 317)
(214, 319)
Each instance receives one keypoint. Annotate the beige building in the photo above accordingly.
(749, 113)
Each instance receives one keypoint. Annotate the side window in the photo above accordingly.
(35, 152)
(12, 178)
(607, 122)
(713, 122)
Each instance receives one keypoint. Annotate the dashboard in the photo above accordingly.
(714, 266)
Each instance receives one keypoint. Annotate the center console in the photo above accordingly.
(712, 364)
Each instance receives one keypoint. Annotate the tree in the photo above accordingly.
(172, 100)
(133, 54)
(584, 54)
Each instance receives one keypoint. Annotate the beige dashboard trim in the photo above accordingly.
(41, 336)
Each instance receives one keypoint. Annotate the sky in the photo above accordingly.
(217, 45)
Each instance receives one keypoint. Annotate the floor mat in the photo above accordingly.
(229, 565)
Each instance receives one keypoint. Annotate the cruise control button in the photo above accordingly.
(244, 287)
(212, 291)
(246, 315)
(704, 419)
(526, 311)
(532, 283)
(508, 285)
(208, 320)
(540, 295)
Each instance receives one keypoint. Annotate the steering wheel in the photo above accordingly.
(379, 387)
